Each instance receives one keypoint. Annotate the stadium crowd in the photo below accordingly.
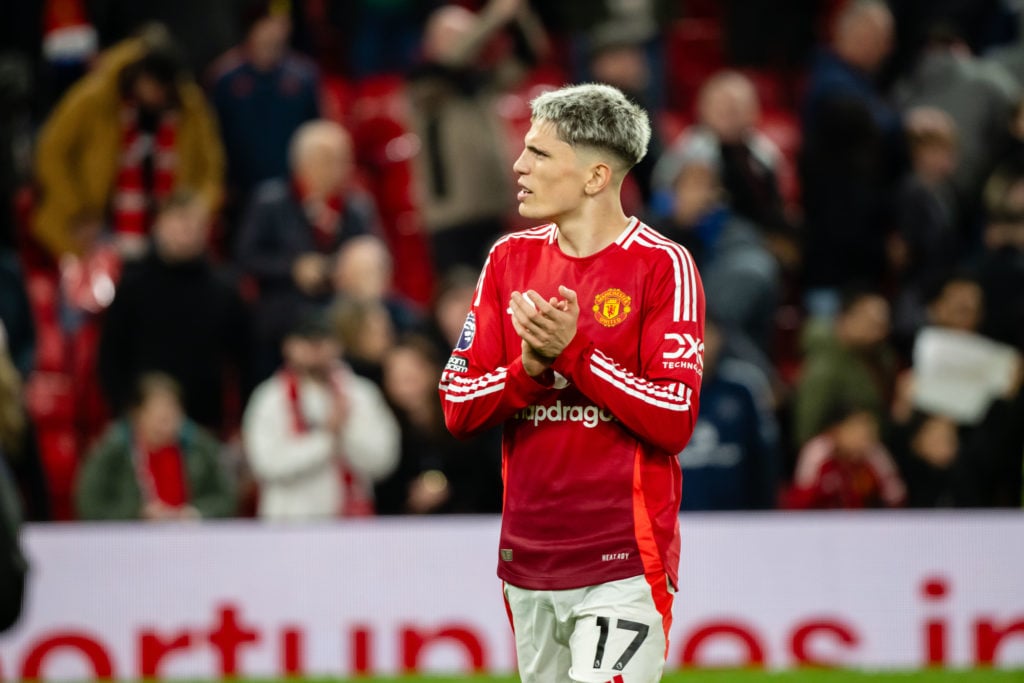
(239, 239)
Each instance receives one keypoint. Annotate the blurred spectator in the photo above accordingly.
(438, 473)
(451, 304)
(730, 462)
(925, 245)
(978, 96)
(593, 24)
(463, 174)
(19, 449)
(364, 329)
(851, 156)
(293, 228)
(15, 139)
(205, 29)
(173, 312)
(122, 139)
(16, 314)
(728, 112)
(13, 565)
(934, 466)
(1011, 155)
(848, 361)
(262, 92)
(975, 383)
(846, 465)
(621, 60)
(959, 373)
(999, 267)
(317, 435)
(155, 465)
(363, 271)
(732, 256)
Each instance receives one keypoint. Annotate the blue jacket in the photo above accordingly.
(730, 462)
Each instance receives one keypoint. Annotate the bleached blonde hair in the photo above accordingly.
(599, 116)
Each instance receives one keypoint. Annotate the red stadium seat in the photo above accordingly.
(693, 52)
(783, 128)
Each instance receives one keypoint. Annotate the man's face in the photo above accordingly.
(311, 356)
(960, 307)
(181, 232)
(730, 110)
(856, 435)
(326, 167)
(159, 419)
(150, 93)
(697, 191)
(866, 324)
(551, 175)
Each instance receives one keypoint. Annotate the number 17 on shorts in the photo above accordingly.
(611, 632)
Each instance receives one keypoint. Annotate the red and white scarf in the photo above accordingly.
(356, 501)
(132, 199)
(323, 214)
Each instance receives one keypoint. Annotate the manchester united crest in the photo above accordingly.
(611, 307)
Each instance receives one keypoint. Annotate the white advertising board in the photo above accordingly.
(885, 590)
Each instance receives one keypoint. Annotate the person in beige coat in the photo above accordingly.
(125, 136)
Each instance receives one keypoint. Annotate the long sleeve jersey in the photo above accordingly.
(592, 481)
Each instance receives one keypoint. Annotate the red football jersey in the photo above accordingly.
(592, 480)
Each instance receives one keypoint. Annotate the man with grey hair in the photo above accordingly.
(584, 340)
(293, 228)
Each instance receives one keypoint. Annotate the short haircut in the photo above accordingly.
(313, 133)
(180, 198)
(853, 294)
(150, 384)
(598, 116)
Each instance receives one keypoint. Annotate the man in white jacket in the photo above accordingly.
(316, 434)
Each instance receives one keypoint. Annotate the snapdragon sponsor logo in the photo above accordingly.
(589, 416)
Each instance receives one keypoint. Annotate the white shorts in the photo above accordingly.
(615, 632)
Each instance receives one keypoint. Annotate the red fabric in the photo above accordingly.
(573, 456)
(324, 216)
(59, 14)
(132, 198)
(826, 480)
(355, 503)
(166, 474)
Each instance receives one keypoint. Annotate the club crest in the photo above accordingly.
(611, 307)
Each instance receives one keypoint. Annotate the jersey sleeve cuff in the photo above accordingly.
(572, 355)
(526, 388)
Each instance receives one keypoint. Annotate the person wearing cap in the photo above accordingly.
(731, 254)
(317, 436)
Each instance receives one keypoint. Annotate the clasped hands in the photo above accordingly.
(545, 326)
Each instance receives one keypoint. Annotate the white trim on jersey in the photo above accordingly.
(458, 385)
(672, 398)
(475, 395)
(544, 232)
(632, 228)
(459, 390)
(685, 308)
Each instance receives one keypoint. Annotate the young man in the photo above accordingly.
(585, 341)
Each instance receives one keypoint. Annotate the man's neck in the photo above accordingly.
(592, 228)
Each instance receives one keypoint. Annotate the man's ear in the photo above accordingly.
(599, 176)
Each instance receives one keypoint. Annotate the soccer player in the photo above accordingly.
(585, 341)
